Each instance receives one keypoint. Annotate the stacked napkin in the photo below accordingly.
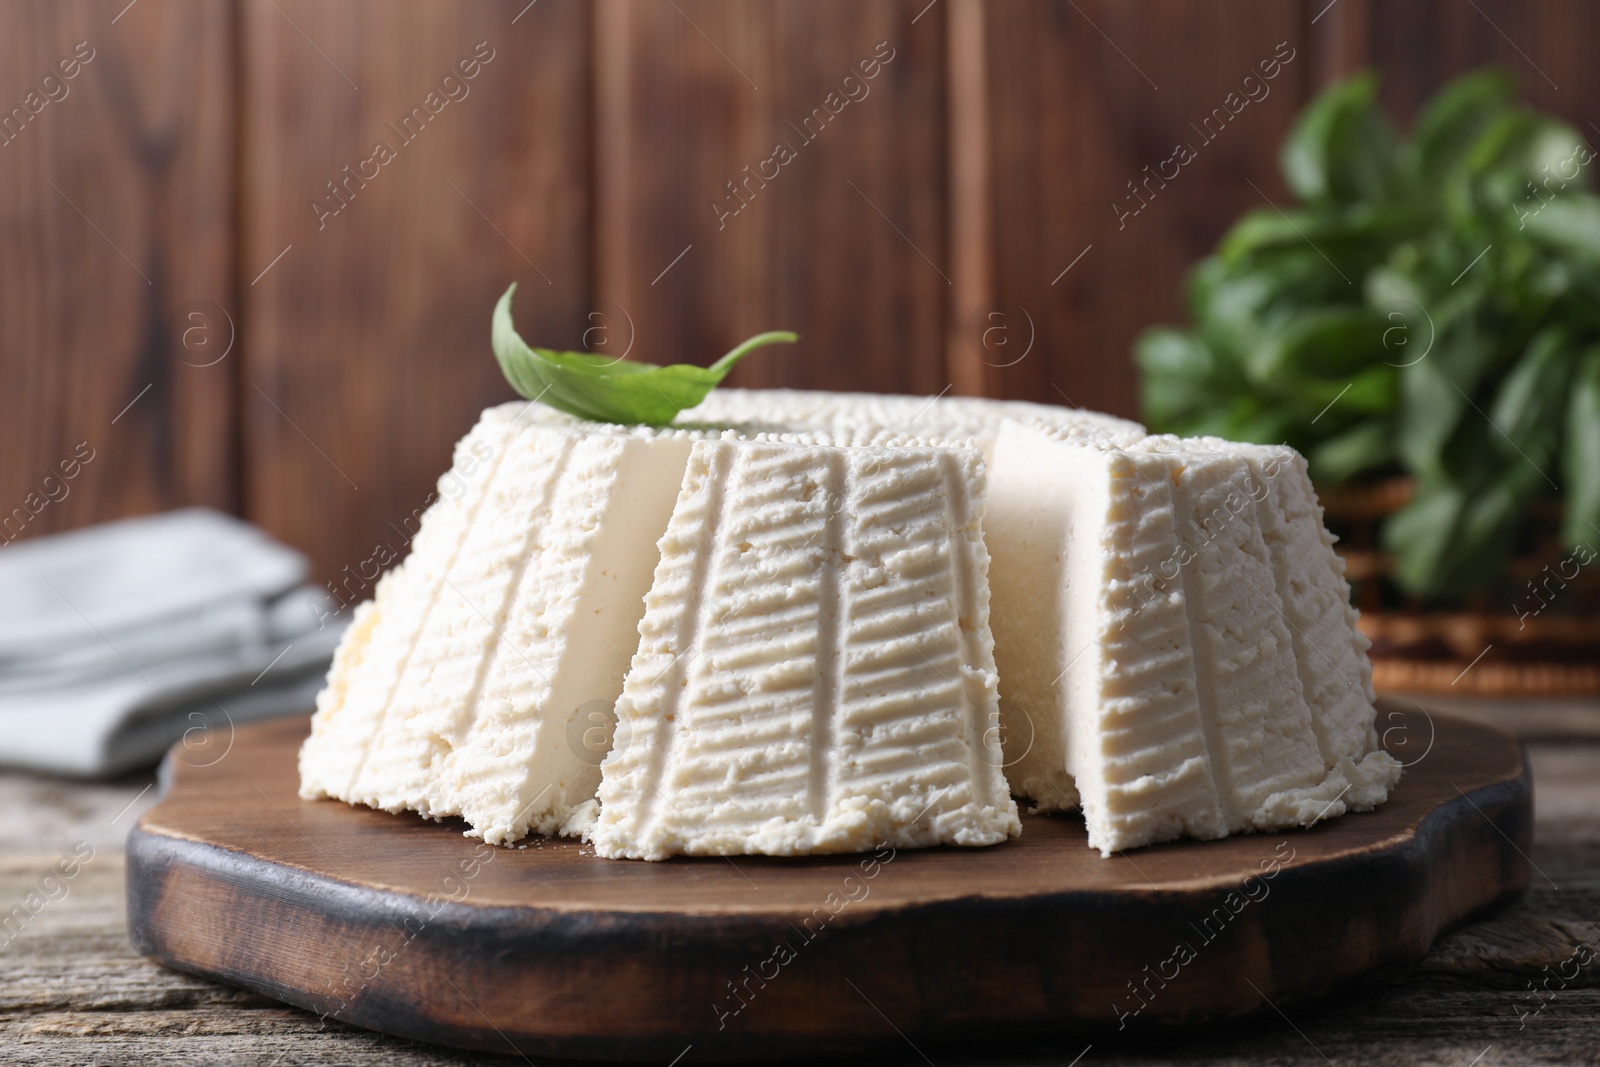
(118, 640)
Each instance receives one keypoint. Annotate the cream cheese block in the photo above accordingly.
(1198, 672)
(816, 671)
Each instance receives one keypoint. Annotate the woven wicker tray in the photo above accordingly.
(1537, 633)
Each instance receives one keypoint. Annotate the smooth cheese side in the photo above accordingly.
(1031, 491)
(1034, 465)
(1098, 681)
(815, 671)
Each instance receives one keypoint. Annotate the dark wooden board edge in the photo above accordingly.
(615, 986)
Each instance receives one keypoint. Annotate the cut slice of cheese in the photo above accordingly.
(1172, 681)
(1096, 663)
(484, 658)
(816, 672)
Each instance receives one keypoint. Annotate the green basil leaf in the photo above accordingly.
(1484, 543)
(1529, 409)
(1374, 391)
(1200, 286)
(1581, 468)
(1361, 448)
(1419, 537)
(1342, 149)
(1320, 343)
(1177, 377)
(605, 389)
(1266, 228)
(1238, 307)
(1246, 305)
(1523, 160)
(1352, 238)
(1449, 543)
(1388, 286)
(1433, 407)
(1457, 115)
(1434, 392)
(1252, 418)
(1473, 458)
(1569, 223)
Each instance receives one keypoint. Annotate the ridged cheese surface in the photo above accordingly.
(815, 672)
(375, 653)
(1200, 672)
(516, 612)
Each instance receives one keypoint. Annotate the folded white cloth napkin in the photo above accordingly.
(118, 640)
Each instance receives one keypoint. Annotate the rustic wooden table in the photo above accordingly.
(1522, 987)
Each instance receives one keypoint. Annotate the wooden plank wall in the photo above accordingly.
(367, 342)
(1086, 102)
(923, 227)
(792, 152)
(117, 262)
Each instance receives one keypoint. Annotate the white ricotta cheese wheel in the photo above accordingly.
(786, 600)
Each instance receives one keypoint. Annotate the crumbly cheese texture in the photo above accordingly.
(1199, 673)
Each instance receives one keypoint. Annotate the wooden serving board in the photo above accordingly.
(401, 925)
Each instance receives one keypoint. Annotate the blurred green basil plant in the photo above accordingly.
(1429, 307)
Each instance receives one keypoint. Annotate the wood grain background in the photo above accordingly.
(172, 303)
